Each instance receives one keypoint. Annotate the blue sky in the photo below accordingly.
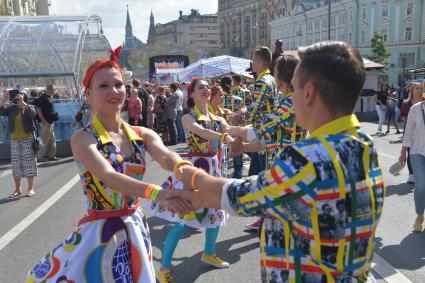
(113, 13)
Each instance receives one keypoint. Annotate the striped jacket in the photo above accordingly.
(279, 128)
(264, 100)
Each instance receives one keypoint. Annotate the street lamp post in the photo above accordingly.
(329, 19)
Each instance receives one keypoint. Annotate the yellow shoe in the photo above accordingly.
(164, 276)
(214, 261)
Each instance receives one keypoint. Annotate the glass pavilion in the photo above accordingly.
(40, 50)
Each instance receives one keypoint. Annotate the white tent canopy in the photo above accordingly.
(215, 67)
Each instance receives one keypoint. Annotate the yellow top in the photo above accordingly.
(19, 133)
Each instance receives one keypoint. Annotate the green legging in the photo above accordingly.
(174, 236)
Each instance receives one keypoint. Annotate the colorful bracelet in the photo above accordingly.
(152, 191)
(178, 164)
(194, 178)
(155, 192)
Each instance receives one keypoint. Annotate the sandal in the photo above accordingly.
(16, 193)
(30, 193)
(417, 227)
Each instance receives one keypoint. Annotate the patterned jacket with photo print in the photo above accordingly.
(325, 195)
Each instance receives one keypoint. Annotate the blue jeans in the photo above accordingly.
(179, 125)
(258, 162)
(172, 131)
(237, 166)
(418, 166)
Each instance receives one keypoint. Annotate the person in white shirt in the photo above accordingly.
(414, 139)
(175, 87)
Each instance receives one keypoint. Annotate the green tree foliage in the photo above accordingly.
(380, 52)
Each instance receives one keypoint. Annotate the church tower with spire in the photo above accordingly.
(152, 29)
(130, 42)
(128, 31)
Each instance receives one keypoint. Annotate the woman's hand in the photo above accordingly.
(174, 203)
(184, 174)
(228, 139)
(236, 148)
(403, 156)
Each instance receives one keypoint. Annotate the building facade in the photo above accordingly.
(244, 24)
(401, 22)
(24, 7)
(188, 31)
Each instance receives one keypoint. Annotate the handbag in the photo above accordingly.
(36, 140)
(36, 143)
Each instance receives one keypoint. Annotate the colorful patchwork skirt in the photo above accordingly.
(106, 250)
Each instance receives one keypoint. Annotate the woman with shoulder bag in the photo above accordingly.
(21, 129)
(414, 141)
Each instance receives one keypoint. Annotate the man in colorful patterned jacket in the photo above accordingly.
(233, 103)
(236, 88)
(323, 197)
(264, 98)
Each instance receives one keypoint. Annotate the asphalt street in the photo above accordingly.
(30, 227)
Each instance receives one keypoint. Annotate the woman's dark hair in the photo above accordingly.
(190, 89)
(226, 84)
(128, 90)
(285, 65)
(382, 86)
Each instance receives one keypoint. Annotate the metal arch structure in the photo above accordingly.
(55, 49)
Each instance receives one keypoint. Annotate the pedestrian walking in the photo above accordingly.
(414, 141)
(175, 88)
(381, 100)
(415, 95)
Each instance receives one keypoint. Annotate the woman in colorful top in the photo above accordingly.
(415, 95)
(21, 127)
(112, 241)
(135, 106)
(204, 131)
(413, 140)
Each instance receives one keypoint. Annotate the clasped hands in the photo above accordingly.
(182, 201)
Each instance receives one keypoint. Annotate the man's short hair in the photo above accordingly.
(337, 71)
(264, 54)
(135, 83)
(237, 79)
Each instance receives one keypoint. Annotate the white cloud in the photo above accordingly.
(113, 13)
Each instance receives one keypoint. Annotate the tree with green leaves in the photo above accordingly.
(380, 52)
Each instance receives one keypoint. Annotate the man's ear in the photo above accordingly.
(310, 91)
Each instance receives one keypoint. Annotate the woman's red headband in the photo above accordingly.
(99, 64)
